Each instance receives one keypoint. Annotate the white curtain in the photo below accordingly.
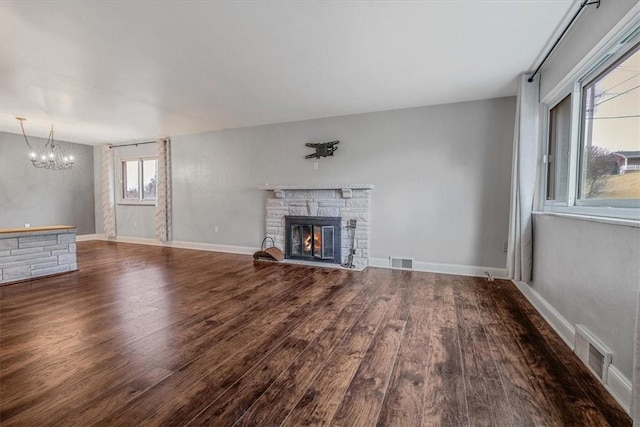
(523, 181)
(635, 401)
(163, 190)
(108, 193)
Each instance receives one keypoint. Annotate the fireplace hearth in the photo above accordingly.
(313, 238)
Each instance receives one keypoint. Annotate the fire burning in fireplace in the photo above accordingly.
(307, 243)
(317, 240)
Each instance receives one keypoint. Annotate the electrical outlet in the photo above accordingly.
(27, 225)
(215, 228)
(505, 247)
(316, 165)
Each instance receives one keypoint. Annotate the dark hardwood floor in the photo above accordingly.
(145, 335)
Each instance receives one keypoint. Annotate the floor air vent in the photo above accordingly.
(401, 263)
(592, 352)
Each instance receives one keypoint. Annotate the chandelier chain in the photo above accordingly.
(24, 134)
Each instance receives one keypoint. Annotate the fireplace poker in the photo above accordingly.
(351, 228)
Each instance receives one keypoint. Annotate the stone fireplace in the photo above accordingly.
(309, 203)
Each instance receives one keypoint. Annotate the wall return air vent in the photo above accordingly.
(592, 352)
(401, 263)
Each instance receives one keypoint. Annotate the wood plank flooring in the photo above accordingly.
(145, 335)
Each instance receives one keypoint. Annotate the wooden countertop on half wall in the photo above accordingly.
(32, 229)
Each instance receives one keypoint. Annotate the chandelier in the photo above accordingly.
(50, 156)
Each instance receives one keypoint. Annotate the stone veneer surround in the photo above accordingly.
(39, 251)
(345, 201)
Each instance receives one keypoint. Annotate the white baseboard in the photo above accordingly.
(244, 250)
(620, 388)
(458, 269)
(617, 384)
(85, 237)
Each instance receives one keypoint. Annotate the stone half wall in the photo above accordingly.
(348, 202)
(37, 252)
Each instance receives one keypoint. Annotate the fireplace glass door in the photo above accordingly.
(301, 240)
(326, 242)
(313, 238)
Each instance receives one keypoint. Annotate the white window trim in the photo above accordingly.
(603, 211)
(121, 199)
(573, 83)
(583, 217)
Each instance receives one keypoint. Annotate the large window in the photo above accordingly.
(611, 132)
(138, 178)
(592, 157)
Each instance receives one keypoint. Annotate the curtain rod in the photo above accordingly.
(129, 145)
(584, 4)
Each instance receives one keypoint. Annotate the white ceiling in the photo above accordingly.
(132, 70)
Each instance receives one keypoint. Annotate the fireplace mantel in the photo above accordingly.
(346, 189)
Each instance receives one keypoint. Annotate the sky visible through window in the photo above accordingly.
(611, 133)
(616, 115)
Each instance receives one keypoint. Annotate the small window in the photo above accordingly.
(610, 138)
(559, 150)
(139, 178)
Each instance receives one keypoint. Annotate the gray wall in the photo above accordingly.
(441, 176)
(589, 272)
(592, 25)
(44, 197)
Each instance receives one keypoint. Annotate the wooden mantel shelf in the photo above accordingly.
(34, 229)
(317, 187)
(347, 189)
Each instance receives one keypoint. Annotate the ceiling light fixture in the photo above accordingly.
(48, 157)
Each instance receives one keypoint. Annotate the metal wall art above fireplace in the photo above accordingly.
(313, 238)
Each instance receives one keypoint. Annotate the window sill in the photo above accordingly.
(135, 203)
(635, 223)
